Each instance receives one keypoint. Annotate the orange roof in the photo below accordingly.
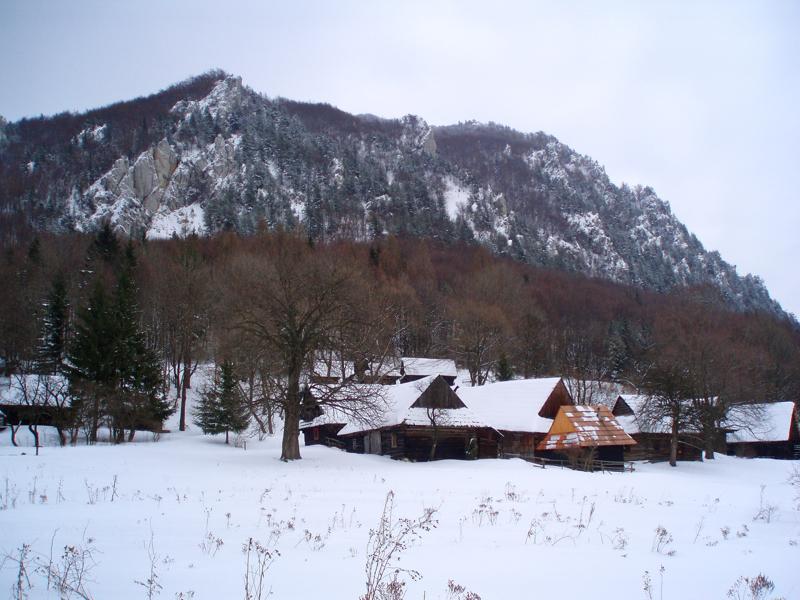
(584, 427)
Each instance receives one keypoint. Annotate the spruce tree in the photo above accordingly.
(55, 322)
(91, 365)
(140, 401)
(504, 372)
(222, 408)
(113, 373)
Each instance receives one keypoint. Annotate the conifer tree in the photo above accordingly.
(139, 375)
(91, 362)
(504, 372)
(55, 322)
(113, 373)
(222, 408)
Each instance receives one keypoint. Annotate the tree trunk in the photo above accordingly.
(435, 443)
(673, 444)
(187, 371)
(62, 436)
(14, 429)
(709, 431)
(34, 429)
(290, 446)
(708, 444)
(95, 420)
(184, 386)
(131, 434)
(270, 421)
(226, 436)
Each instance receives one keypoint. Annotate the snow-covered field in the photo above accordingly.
(504, 528)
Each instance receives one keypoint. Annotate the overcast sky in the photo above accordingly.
(700, 100)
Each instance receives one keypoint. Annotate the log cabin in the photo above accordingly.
(776, 435)
(522, 410)
(423, 420)
(652, 439)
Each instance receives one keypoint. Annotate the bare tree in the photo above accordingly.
(292, 305)
(438, 417)
(35, 393)
(182, 300)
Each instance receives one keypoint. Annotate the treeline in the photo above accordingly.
(128, 323)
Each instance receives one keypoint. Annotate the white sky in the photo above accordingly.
(700, 100)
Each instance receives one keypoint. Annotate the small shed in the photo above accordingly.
(585, 433)
(522, 410)
(776, 434)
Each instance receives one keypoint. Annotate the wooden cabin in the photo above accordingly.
(408, 368)
(522, 410)
(414, 369)
(776, 434)
(583, 434)
(652, 439)
(418, 414)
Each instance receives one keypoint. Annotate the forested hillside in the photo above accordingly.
(395, 296)
(211, 155)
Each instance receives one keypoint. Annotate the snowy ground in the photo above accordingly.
(504, 527)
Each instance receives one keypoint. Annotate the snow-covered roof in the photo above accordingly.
(428, 366)
(776, 423)
(334, 368)
(512, 405)
(630, 423)
(399, 410)
(584, 427)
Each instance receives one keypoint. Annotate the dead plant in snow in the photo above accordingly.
(151, 584)
(459, 592)
(794, 480)
(386, 543)
(765, 510)
(258, 560)
(70, 575)
(752, 588)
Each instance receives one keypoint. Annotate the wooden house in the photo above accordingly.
(330, 369)
(776, 435)
(418, 415)
(408, 368)
(652, 439)
(584, 434)
(522, 410)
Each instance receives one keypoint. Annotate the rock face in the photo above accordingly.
(233, 159)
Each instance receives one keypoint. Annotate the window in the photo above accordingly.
(393, 440)
(316, 434)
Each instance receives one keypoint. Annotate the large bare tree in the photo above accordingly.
(291, 303)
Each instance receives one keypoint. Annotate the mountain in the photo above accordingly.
(211, 154)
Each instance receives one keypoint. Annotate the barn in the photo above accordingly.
(522, 410)
(776, 434)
